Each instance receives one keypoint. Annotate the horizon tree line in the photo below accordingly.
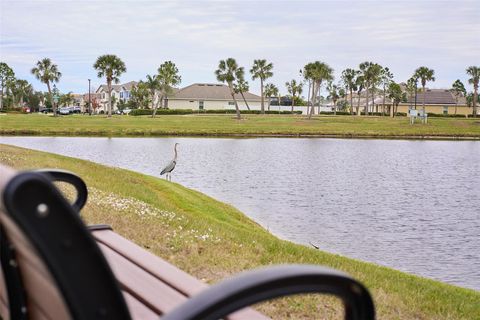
(368, 79)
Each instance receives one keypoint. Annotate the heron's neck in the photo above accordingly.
(175, 157)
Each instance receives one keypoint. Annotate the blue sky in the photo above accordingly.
(403, 35)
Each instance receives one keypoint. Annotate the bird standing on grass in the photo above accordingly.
(169, 167)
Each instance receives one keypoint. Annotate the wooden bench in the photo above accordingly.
(56, 268)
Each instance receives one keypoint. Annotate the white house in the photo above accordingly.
(200, 96)
(119, 92)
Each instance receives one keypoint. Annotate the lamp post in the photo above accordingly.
(89, 100)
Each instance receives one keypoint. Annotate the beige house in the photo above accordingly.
(207, 96)
(438, 101)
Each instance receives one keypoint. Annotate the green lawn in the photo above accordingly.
(269, 125)
(213, 240)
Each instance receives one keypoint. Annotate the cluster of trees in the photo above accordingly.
(369, 80)
(15, 93)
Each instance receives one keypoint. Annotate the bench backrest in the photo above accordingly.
(62, 271)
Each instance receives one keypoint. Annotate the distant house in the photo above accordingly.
(119, 92)
(438, 101)
(200, 96)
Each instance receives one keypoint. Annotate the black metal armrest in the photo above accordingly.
(264, 284)
(71, 178)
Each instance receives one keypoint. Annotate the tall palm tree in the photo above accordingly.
(47, 72)
(349, 77)
(227, 72)
(474, 72)
(360, 85)
(261, 70)
(241, 86)
(294, 89)
(271, 91)
(333, 95)
(318, 72)
(458, 90)
(424, 74)
(396, 95)
(386, 77)
(168, 77)
(153, 86)
(111, 67)
(411, 88)
(6, 75)
(370, 72)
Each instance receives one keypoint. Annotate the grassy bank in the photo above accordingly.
(212, 240)
(223, 125)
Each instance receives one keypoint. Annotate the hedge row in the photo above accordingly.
(143, 112)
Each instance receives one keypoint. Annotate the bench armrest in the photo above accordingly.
(66, 176)
(264, 284)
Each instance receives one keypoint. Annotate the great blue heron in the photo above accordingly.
(169, 167)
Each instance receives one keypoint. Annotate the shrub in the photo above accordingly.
(143, 112)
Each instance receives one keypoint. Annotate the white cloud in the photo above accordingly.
(197, 34)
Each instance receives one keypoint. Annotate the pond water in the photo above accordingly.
(410, 205)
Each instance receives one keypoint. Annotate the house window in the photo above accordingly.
(191, 101)
(103, 95)
(445, 109)
(231, 103)
(200, 105)
(121, 95)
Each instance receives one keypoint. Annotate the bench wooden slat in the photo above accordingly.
(155, 294)
(154, 265)
(137, 309)
(163, 270)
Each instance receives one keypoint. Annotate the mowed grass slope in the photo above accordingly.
(343, 126)
(212, 240)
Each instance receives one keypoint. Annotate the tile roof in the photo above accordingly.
(209, 91)
(434, 96)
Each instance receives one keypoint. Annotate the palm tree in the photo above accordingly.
(168, 77)
(66, 99)
(349, 77)
(360, 84)
(396, 95)
(261, 70)
(111, 67)
(140, 95)
(241, 86)
(411, 88)
(22, 90)
(317, 72)
(475, 73)
(386, 78)
(458, 90)
(47, 72)
(227, 72)
(153, 85)
(333, 95)
(425, 75)
(271, 91)
(370, 72)
(294, 90)
(6, 75)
